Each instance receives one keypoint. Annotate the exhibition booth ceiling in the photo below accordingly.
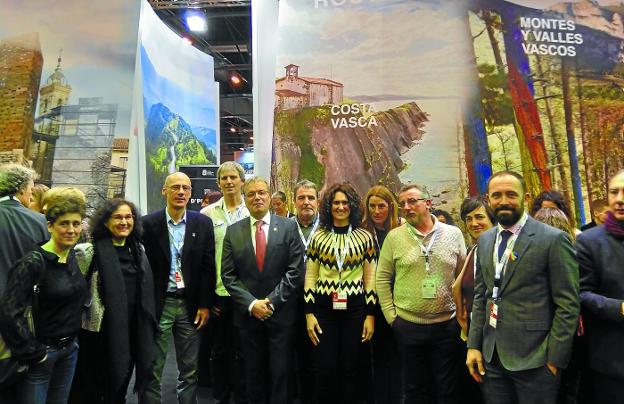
(227, 39)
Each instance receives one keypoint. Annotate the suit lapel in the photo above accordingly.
(245, 239)
(524, 240)
(189, 238)
(272, 238)
(486, 248)
(163, 239)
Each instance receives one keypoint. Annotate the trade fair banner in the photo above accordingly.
(66, 78)
(175, 116)
(443, 93)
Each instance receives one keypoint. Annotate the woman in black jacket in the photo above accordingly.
(119, 325)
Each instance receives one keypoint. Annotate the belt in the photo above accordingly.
(63, 342)
(178, 294)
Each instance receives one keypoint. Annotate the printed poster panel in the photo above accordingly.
(179, 101)
(443, 93)
(66, 77)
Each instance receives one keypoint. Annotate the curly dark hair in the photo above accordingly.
(355, 206)
(97, 223)
(555, 197)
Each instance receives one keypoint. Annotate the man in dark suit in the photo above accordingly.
(526, 301)
(21, 230)
(600, 256)
(180, 247)
(262, 269)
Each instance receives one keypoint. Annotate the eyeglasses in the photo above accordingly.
(411, 202)
(176, 188)
(261, 194)
(119, 218)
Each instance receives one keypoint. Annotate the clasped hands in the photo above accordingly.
(262, 309)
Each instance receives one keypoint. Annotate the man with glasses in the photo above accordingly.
(262, 269)
(417, 266)
(180, 246)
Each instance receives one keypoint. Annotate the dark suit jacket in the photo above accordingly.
(280, 280)
(21, 230)
(601, 262)
(539, 300)
(198, 262)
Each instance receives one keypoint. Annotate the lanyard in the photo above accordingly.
(341, 255)
(177, 244)
(305, 242)
(501, 265)
(423, 249)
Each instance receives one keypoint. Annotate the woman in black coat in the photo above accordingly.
(120, 324)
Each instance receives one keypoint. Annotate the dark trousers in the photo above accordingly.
(386, 363)
(429, 360)
(92, 380)
(532, 386)
(607, 389)
(267, 350)
(304, 360)
(337, 354)
(226, 357)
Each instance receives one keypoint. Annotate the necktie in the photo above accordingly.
(505, 234)
(260, 245)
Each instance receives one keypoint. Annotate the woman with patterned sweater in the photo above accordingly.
(339, 293)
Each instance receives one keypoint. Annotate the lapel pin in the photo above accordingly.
(275, 229)
(193, 234)
(513, 256)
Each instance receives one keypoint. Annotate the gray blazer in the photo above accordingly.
(539, 303)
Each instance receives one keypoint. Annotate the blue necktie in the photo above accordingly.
(505, 234)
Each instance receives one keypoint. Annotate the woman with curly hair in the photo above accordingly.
(120, 325)
(48, 280)
(339, 293)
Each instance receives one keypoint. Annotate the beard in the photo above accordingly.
(507, 216)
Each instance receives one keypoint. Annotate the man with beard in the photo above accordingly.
(526, 301)
(417, 266)
(600, 256)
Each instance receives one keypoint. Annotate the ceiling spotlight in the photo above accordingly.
(196, 23)
(232, 129)
(235, 79)
(187, 41)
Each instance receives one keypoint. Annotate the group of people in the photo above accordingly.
(352, 299)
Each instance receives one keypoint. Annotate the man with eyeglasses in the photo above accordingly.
(417, 266)
(262, 269)
(179, 244)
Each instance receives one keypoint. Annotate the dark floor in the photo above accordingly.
(169, 379)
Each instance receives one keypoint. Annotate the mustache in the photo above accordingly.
(499, 208)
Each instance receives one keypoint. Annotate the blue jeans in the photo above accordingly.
(49, 382)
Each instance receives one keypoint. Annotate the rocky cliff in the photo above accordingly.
(306, 145)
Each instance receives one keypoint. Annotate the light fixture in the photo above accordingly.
(187, 41)
(235, 79)
(196, 22)
(232, 129)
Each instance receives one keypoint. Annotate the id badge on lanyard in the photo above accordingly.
(179, 280)
(339, 298)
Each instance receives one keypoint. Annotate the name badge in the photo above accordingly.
(339, 300)
(178, 280)
(429, 289)
(493, 314)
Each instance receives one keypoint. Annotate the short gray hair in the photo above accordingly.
(254, 180)
(423, 190)
(305, 184)
(14, 178)
(233, 166)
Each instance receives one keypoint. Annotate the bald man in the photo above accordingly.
(180, 247)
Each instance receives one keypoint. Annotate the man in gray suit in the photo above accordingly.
(262, 269)
(526, 302)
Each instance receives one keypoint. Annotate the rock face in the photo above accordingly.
(306, 145)
(590, 14)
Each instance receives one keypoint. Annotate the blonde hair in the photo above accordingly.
(556, 218)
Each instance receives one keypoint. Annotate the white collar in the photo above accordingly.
(266, 219)
(169, 219)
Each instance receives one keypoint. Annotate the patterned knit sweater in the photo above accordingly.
(401, 272)
(357, 275)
